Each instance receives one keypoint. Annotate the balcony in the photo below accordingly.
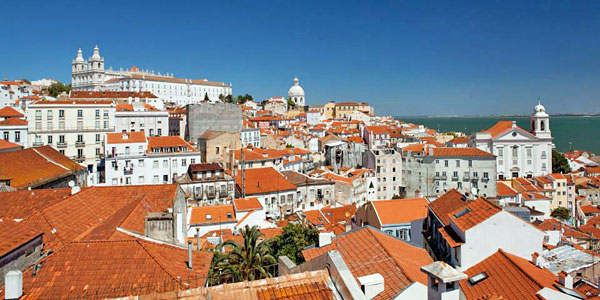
(37, 144)
(466, 178)
(455, 178)
(437, 177)
(80, 144)
(79, 158)
(74, 129)
(443, 177)
(128, 171)
(485, 179)
(61, 145)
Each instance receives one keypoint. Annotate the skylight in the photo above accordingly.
(477, 278)
(462, 212)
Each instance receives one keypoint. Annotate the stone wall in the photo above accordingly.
(225, 117)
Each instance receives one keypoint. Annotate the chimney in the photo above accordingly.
(538, 260)
(325, 238)
(371, 285)
(565, 279)
(125, 136)
(75, 190)
(514, 124)
(189, 262)
(13, 284)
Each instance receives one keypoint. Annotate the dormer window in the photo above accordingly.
(228, 215)
(478, 278)
(209, 217)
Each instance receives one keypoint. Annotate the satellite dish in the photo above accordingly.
(71, 183)
(474, 191)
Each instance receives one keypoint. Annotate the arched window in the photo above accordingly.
(533, 125)
(542, 125)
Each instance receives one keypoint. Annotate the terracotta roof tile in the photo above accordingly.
(509, 276)
(460, 151)
(246, 204)
(447, 203)
(213, 214)
(35, 166)
(21, 204)
(109, 95)
(13, 122)
(109, 269)
(367, 250)
(168, 141)
(15, 234)
(125, 137)
(9, 112)
(263, 181)
(9, 145)
(473, 213)
(401, 210)
(504, 190)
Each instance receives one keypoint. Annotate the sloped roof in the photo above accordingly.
(9, 145)
(504, 190)
(109, 95)
(447, 203)
(15, 234)
(263, 181)
(168, 141)
(35, 166)
(125, 137)
(401, 210)
(109, 269)
(246, 204)
(13, 122)
(476, 212)
(460, 151)
(9, 112)
(213, 214)
(23, 203)
(367, 250)
(509, 276)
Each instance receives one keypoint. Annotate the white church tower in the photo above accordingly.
(296, 94)
(540, 122)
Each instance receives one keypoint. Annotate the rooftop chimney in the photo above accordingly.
(189, 262)
(514, 124)
(538, 260)
(13, 284)
(371, 285)
(565, 279)
(325, 238)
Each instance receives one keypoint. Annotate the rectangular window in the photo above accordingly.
(155, 164)
(17, 136)
(165, 163)
(38, 126)
(97, 114)
(61, 114)
(141, 179)
(458, 163)
(470, 163)
(155, 179)
(61, 139)
(445, 163)
(105, 113)
(140, 163)
(183, 162)
(6, 135)
(97, 124)
(49, 126)
(38, 114)
(49, 140)
(80, 138)
(105, 124)
(97, 138)
(79, 125)
(49, 114)
(79, 114)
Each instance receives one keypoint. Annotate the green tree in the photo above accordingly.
(560, 163)
(396, 197)
(292, 240)
(26, 81)
(57, 88)
(291, 103)
(560, 213)
(206, 97)
(241, 262)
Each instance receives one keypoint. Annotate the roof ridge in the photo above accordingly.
(48, 159)
(505, 255)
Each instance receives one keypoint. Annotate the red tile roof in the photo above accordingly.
(367, 250)
(15, 234)
(504, 190)
(460, 151)
(205, 215)
(21, 204)
(36, 166)
(509, 276)
(168, 141)
(246, 204)
(9, 112)
(78, 102)
(129, 107)
(109, 95)
(109, 269)
(125, 137)
(447, 203)
(263, 181)
(9, 145)
(476, 212)
(13, 122)
(590, 209)
(401, 210)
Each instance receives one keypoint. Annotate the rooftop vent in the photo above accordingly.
(371, 285)
(13, 284)
(462, 212)
(325, 238)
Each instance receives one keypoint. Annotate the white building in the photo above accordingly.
(14, 130)
(138, 116)
(133, 158)
(387, 164)
(208, 184)
(11, 91)
(520, 153)
(91, 75)
(250, 135)
(296, 94)
(74, 128)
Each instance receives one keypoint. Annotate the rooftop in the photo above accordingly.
(401, 210)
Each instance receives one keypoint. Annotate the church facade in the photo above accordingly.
(296, 94)
(91, 75)
(519, 153)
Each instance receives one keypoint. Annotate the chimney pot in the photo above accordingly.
(190, 265)
(13, 284)
(565, 279)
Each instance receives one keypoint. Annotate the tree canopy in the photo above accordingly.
(57, 88)
(561, 213)
(291, 103)
(560, 163)
(292, 240)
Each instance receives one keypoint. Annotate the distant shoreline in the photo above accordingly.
(501, 116)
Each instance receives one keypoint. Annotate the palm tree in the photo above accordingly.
(242, 262)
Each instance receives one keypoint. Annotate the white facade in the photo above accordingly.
(520, 153)
(497, 231)
(314, 117)
(11, 91)
(154, 123)
(14, 133)
(250, 136)
(74, 128)
(91, 75)
(134, 163)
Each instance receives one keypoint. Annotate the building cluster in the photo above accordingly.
(126, 187)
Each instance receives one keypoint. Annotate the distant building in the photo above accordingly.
(387, 164)
(216, 146)
(132, 158)
(138, 116)
(91, 75)
(208, 184)
(520, 153)
(296, 94)
(204, 117)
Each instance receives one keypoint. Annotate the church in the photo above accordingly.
(519, 153)
(91, 75)
(296, 94)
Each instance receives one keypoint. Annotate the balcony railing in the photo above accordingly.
(79, 158)
(61, 145)
(466, 178)
(36, 144)
(80, 144)
(485, 179)
(454, 178)
(128, 171)
(74, 129)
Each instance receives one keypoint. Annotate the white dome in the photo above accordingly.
(96, 55)
(296, 90)
(539, 110)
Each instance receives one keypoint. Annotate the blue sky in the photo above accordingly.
(404, 57)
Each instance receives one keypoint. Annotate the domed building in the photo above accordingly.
(296, 93)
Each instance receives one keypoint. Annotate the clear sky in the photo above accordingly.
(404, 57)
